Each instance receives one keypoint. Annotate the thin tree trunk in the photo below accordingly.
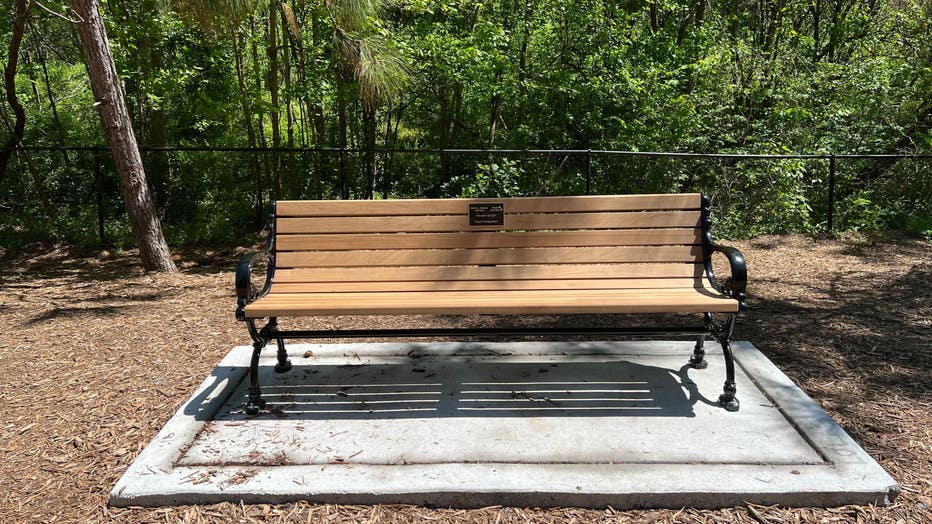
(654, 17)
(293, 182)
(247, 117)
(494, 107)
(119, 132)
(48, 90)
(317, 111)
(341, 123)
(272, 52)
(316, 116)
(157, 165)
(36, 97)
(816, 10)
(370, 115)
(390, 158)
(522, 63)
(9, 76)
(257, 80)
(443, 124)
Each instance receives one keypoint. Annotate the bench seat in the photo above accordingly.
(503, 302)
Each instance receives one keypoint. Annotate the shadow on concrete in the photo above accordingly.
(443, 388)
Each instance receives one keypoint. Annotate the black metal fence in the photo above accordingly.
(788, 191)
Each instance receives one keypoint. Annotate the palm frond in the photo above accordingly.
(354, 15)
(380, 71)
(346, 46)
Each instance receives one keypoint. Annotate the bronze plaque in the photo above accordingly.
(487, 214)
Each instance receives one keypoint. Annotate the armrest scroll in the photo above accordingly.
(735, 285)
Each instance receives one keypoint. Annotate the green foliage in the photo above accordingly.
(920, 226)
(738, 77)
(496, 179)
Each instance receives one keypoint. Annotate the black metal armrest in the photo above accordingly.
(245, 291)
(735, 285)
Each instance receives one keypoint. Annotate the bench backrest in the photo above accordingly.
(579, 242)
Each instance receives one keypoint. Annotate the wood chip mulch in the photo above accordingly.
(100, 354)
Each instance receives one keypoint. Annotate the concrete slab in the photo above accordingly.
(590, 424)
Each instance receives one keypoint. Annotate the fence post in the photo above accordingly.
(831, 194)
(588, 171)
(344, 186)
(100, 197)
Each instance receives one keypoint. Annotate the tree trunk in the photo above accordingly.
(816, 11)
(654, 17)
(247, 118)
(494, 107)
(317, 110)
(156, 163)
(293, 183)
(43, 58)
(119, 132)
(272, 52)
(260, 114)
(9, 76)
(522, 64)
(341, 123)
(443, 124)
(390, 156)
(370, 129)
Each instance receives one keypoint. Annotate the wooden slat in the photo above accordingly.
(487, 239)
(429, 296)
(393, 224)
(503, 302)
(453, 206)
(550, 272)
(499, 256)
(491, 285)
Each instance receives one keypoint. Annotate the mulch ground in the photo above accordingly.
(100, 354)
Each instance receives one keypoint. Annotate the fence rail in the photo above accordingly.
(585, 156)
(434, 151)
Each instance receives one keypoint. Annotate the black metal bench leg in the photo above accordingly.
(697, 360)
(728, 399)
(722, 333)
(255, 402)
(284, 363)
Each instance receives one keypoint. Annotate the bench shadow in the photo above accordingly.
(441, 388)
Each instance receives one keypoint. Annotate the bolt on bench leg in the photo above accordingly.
(697, 360)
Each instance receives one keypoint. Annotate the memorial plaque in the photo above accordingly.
(487, 214)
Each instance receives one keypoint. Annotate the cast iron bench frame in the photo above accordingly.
(721, 330)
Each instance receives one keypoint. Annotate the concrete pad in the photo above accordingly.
(590, 424)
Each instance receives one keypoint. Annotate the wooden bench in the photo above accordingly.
(549, 255)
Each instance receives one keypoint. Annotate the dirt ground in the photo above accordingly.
(100, 354)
